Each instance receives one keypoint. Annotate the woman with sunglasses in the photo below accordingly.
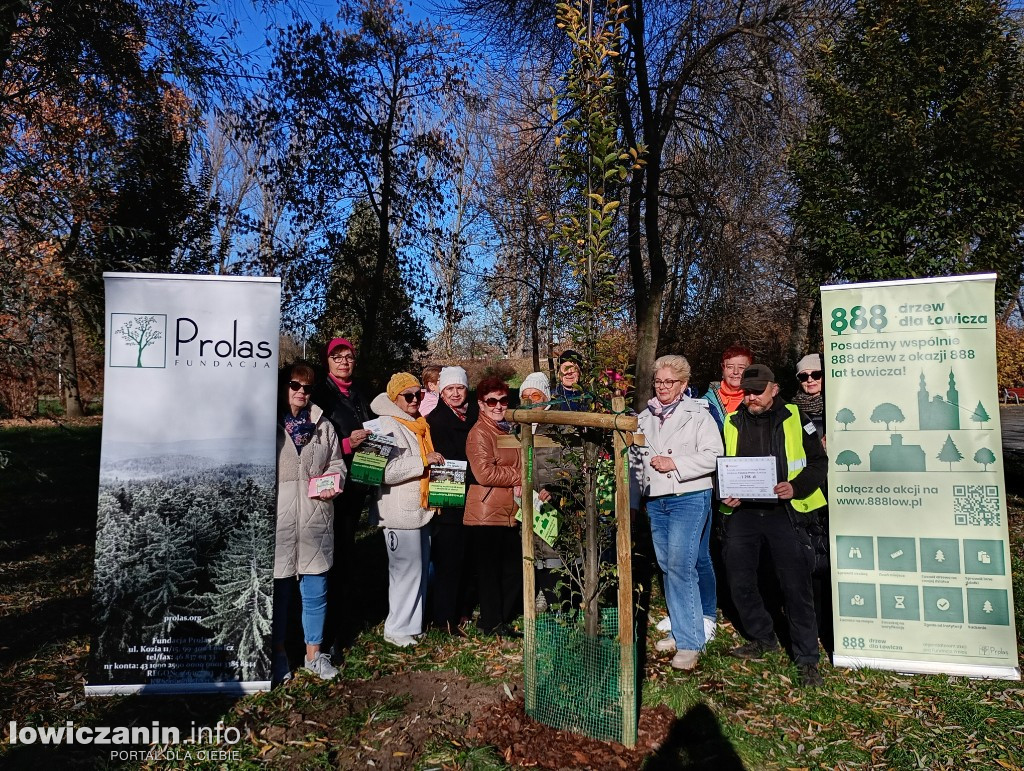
(402, 506)
(811, 401)
(491, 512)
(307, 447)
(811, 396)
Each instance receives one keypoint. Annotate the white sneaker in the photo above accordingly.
(667, 645)
(321, 666)
(401, 640)
(665, 625)
(685, 660)
(710, 629)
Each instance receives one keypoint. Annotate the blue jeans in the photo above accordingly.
(706, 580)
(677, 525)
(313, 589)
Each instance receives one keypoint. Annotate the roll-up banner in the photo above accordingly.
(183, 584)
(917, 501)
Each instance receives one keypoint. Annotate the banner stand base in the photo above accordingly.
(912, 667)
(168, 689)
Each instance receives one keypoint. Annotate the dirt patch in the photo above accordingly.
(525, 742)
(384, 724)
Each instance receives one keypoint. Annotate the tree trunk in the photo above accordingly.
(591, 550)
(803, 309)
(73, 407)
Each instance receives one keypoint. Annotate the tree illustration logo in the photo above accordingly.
(138, 340)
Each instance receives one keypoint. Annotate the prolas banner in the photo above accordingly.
(917, 501)
(185, 534)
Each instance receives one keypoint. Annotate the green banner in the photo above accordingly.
(917, 501)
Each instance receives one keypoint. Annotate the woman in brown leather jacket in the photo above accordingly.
(491, 512)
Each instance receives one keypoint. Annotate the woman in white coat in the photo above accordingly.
(671, 475)
(307, 447)
(402, 506)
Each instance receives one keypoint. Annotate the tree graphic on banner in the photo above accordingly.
(846, 417)
(240, 606)
(980, 415)
(141, 333)
(887, 413)
(985, 457)
(848, 458)
(949, 453)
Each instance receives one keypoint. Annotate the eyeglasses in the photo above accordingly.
(410, 396)
(532, 396)
(666, 383)
(295, 385)
(803, 377)
(492, 402)
(338, 358)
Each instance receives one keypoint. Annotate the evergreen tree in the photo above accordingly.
(980, 415)
(949, 453)
(240, 607)
(914, 164)
(169, 575)
(352, 255)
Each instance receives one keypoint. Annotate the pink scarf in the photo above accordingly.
(663, 411)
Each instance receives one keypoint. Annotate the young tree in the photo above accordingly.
(949, 452)
(848, 458)
(912, 165)
(593, 166)
(985, 457)
(846, 417)
(887, 413)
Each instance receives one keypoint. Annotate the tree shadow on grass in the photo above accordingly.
(695, 743)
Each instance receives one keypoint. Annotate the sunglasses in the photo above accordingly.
(532, 396)
(410, 396)
(753, 391)
(295, 385)
(803, 377)
(492, 402)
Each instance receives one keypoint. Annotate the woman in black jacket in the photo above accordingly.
(344, 402)
(449, 423)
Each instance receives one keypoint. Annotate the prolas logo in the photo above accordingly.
(188, 342)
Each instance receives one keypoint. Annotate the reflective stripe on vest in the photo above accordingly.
(792, 430)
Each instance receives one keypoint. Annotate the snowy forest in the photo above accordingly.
(184, 579)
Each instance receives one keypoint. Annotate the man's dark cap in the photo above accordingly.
(756, 378)
(570, 355)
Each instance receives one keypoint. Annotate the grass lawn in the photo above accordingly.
(860, 719)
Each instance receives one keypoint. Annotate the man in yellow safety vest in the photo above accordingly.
(765, 425)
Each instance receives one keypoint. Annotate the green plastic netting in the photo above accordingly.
(575, 682)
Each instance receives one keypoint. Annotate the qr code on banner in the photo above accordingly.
(975, 505)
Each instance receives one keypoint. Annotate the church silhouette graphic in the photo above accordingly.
(936, 413)
(896, 456)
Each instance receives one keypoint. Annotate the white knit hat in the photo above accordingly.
(539, 381)
(452, 376)
(811, 361)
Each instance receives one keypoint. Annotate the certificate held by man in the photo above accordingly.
(747, 478)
